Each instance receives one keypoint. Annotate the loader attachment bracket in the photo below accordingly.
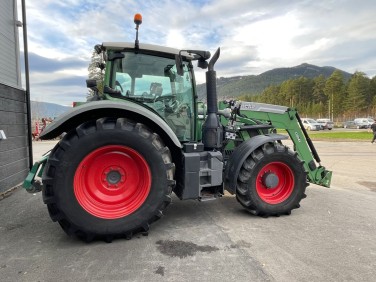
(31, 184)
(323, 177)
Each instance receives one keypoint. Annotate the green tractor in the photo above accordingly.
(147, 135)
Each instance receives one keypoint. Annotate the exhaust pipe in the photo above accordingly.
(212, 130)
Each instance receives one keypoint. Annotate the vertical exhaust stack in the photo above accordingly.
(212, 130)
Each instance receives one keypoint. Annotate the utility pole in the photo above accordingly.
(27, 81)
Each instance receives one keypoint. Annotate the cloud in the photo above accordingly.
(254, 36)
(39, 63)
(78, 81)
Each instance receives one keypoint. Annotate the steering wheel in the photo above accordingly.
(166, 98)
(176, 107)
(180, 107)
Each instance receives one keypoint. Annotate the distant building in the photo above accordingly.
(14, 159)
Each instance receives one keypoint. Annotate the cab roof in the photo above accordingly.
(144, 46)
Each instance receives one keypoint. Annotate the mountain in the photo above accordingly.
(47, 110)
(255, 84)
(226, 86)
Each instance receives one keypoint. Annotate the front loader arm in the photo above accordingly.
(286, 118)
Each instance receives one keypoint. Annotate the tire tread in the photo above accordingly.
(83, 130)
(243, 194)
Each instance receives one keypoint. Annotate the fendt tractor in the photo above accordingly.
(146, 135)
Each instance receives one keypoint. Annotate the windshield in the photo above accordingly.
(154, 81)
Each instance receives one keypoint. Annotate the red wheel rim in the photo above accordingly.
(275, 183)
(112, 182)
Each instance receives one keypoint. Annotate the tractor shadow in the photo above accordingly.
(191, 213)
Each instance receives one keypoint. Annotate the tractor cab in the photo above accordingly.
(149, 76)
(159, 78)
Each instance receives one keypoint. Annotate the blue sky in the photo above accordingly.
(254, 36)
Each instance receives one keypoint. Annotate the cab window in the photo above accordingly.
(155, 82)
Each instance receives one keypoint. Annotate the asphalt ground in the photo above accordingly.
(330, 238)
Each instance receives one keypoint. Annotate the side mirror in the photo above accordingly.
(204, 55)
(202, 64)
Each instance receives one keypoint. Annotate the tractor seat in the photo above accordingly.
(158, 91)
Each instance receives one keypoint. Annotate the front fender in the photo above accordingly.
(98, 109)
(241, 153)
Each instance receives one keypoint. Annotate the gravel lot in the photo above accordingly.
(330, 238)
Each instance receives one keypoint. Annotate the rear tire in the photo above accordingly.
(272, 181)
(108, 178)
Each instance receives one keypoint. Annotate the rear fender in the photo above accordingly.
(241, 153)
(98, 109)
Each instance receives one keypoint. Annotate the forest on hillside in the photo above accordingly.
(317, 92)
(255, 84)
(333, 97)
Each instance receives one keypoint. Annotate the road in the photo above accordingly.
(330, 238)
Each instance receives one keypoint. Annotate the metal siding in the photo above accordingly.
(9, 55)
(13, 113)
(14, 149)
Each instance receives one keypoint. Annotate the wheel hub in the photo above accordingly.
(275, 182)
(270, 180)
(113, 176)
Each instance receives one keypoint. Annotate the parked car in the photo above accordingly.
(325, 123)
(362, 122)
(370, 122)
(311, 124)
(350, 124)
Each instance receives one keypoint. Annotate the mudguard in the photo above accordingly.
(98, 109)
(241, 153)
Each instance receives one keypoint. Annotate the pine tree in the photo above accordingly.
(373, 97)
(358, 90)
(319, 97)
(334, 90)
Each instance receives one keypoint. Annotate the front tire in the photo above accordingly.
(272, 181)
(108, 178)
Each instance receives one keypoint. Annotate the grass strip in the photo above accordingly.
(337, 136)
(363, 135)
